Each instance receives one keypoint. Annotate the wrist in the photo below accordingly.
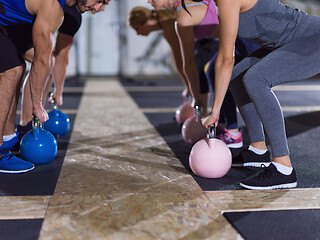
(215, 109)
(37, 104)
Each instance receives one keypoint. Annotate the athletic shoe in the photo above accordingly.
(270, 178)
(12, 164)
(22, 130)
(229, 139)
(13, 144)
(248, 158)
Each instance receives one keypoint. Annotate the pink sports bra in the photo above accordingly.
(209, 22)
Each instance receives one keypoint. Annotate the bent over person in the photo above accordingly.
(46, 17)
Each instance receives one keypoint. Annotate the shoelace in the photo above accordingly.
(265, 173)
(225, 137)
(5, 153)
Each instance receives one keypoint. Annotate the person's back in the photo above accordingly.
(210, 21)
(274, 23)
(46, 17)
(14, 12)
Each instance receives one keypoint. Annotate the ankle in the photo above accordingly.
(9, 137)
(256, 150)
(282, 168)
(285, 160)
(259, 145)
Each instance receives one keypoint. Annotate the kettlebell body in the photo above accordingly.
(58, 123)
(38, 146)
(210, 157)
(184, 112)
(192, 130)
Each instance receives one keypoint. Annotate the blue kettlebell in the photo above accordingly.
(38, 146)
(58, 123)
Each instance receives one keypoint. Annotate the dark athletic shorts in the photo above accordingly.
(9, 57)
(21, 36)
(72, 21)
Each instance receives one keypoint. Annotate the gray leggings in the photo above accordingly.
(253, 78)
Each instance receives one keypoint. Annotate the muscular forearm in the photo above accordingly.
(38, 75)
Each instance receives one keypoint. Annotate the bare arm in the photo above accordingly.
(229, 21)
(170, 35)
(184, 28)
(49, 17)
(61, 53)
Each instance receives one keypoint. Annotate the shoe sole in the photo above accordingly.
(251, 164)
(16, 171)
(235, 145)
(281, 186)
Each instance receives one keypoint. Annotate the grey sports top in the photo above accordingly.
(269, 23)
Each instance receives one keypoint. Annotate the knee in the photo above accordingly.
(252, 81)
(18, 71)
(13, 74)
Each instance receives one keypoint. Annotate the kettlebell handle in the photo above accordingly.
(212, 131)
(35, 123)
(198, 111)
(53, 102)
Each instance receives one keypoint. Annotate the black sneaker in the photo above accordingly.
(270, 178)
(22, 130)
(247, 158)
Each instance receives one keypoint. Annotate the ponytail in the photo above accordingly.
(184, 5)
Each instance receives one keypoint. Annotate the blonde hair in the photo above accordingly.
(140, 15)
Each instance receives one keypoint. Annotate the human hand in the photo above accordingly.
(211, 119)
(40, 113)
(55, 98)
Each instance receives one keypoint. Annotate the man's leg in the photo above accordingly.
(10, 123)
(26, 103)
(8, 84)
(11, 70)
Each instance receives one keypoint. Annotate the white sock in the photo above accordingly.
(257, 151)
(9, 137)
(283, 169)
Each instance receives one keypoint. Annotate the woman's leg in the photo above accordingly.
(288, 63)
(243, 100)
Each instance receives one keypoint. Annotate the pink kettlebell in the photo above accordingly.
(184, 112)
(210, 157)
(192, 130)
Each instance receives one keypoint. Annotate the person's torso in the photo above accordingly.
(14, 11)
(209, 22)
(269, 23)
